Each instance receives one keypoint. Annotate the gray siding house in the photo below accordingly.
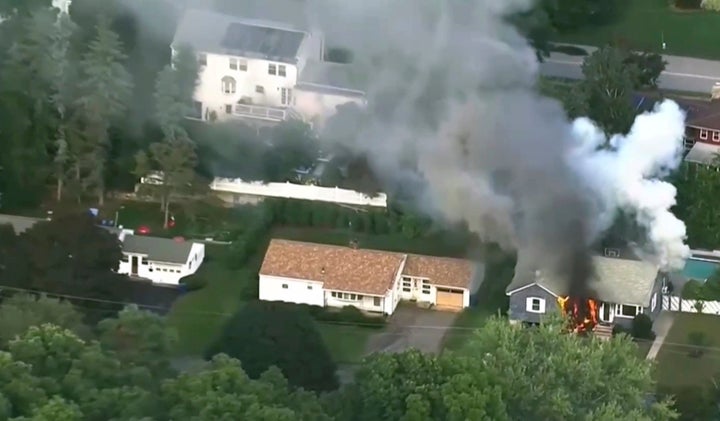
(623, 287)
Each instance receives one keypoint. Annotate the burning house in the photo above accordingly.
(619, 289)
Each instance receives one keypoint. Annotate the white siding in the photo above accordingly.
(367, 303)
(210, 91)
(298, 291)
(161, 272)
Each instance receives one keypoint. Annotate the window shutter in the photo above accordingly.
(542, 305)
(528, 304)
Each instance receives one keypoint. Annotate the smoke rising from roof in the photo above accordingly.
(455, 114)
(451, 90)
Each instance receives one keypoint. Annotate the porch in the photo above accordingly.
(266, 113)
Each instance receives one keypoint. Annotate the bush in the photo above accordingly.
(194, 282)
(619, 329)
(711, 5)
(642, 327)
(347, 315)
(699, 341)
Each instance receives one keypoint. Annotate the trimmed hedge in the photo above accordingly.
(193, 282)
(347, 315)
(642, 327)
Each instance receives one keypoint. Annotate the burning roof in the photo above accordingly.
(616, 280)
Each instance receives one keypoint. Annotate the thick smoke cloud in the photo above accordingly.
(454, 116)
(452, 91)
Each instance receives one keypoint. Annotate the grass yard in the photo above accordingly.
(435, 245)
(347, 344)
(199, 315)
(643, 347)
(675, 368)
(644, 24)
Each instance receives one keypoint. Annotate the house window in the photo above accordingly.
(259, 89)
(228, 110)
(626, 310)
(346, 296)
(535, 305)
(716, 136)
(285, 286)
(272, 69)
(309, 287)
(233, 63)
(377, 301)
(703, 134)
(425, 286)
(281, 71)
(202, 59)
(653, 302)
(242, 65)
(228, 85)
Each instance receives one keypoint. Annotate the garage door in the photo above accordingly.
(450, 298)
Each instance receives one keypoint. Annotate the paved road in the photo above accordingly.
(413, 327)
(681, 74)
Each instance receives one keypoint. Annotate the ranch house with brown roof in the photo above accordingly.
(371, 280)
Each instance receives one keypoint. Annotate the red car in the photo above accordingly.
(143, 230)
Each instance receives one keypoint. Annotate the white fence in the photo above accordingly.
(298, 191)
(691, 306)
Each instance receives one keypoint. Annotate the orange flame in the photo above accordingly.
(582, 314)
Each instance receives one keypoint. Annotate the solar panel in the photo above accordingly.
(268, 42)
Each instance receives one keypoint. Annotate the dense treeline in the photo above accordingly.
(55, 367)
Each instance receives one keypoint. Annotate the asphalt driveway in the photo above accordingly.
(413, 327)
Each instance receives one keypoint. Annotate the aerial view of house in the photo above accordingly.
(259, 70)
(371, 280)
(623, 287)
(162, 260)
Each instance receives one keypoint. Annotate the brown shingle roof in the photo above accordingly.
(359, 270)
(339, 268)
(441, 271)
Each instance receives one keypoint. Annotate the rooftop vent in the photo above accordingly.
(322, 270)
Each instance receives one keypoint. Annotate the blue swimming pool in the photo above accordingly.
(699, 269)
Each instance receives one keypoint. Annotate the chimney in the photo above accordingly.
(715, 93)
(354, 244)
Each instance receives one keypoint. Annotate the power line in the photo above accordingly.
(417, 329)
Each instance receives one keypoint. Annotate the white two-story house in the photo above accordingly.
(263, 71)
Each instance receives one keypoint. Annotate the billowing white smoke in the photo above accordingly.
(627, 176)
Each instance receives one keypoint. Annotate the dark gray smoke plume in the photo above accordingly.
(454, 117)
(451, 90)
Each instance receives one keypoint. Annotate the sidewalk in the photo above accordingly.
(662, 326)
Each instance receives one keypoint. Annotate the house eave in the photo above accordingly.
(509, 293)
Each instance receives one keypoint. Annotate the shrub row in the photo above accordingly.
(641, 328)
(350, 315)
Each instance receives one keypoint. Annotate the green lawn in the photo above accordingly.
(199, 315)
(675, 367)
(644, 23)
(435, 245)
(346, 343)
(643, 347)
(467, 322)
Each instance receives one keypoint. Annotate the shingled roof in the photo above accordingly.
(364, 271)
(623, 281)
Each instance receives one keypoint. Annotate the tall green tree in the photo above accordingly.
(104, 90)
(34, 89)
(22, 311)
(222, 390)
(141, 338)
(174, 156)
(607, 89)
(508, 373)
(264, 334)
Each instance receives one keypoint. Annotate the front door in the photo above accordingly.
(607, 312)
(134, 265)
